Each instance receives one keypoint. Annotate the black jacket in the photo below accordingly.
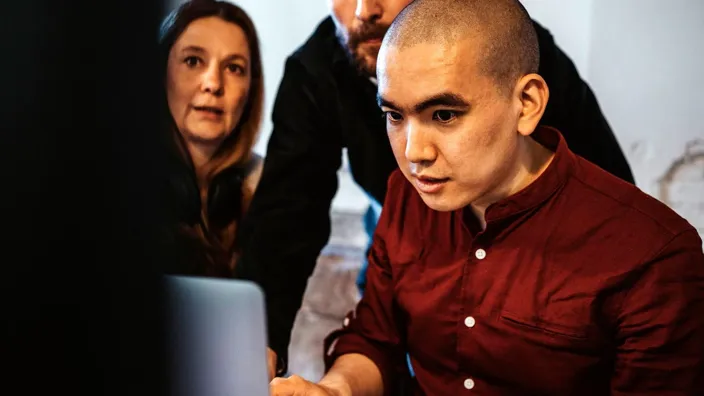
(323, 105)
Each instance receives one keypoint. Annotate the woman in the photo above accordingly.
(214, 96)
(214, 102)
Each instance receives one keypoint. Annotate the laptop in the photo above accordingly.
(216, 337)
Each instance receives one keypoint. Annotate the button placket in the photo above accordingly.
(470, 321)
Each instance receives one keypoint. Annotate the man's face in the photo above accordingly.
(452, 131)
(361, 25)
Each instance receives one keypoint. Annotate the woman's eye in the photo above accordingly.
(235, 68)
(192, 61)
(444, 115)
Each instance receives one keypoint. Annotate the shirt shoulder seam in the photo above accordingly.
(672, 232)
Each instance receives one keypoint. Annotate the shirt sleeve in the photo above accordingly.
(288, 221)
(372, 329)
(660, 336)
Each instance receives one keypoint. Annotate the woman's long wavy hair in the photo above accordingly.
(236, 149)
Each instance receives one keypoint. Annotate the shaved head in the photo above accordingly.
(502, 28)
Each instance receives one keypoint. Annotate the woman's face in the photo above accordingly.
(208, 79)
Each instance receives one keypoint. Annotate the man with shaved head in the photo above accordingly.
(503, 263)
(326, 106)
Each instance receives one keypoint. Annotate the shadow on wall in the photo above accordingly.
(682, 185)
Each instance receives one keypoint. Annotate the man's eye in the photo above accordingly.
(444, 115)
(392, 116)
(192, 61)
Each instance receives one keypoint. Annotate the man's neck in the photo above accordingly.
(533, 161)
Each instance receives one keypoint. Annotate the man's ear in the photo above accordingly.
(533, 94)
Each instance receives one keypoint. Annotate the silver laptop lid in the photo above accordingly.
(216, 337)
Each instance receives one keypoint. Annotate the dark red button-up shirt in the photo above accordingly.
(580, 284)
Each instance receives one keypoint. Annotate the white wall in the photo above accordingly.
(570, 22)
(646, 64)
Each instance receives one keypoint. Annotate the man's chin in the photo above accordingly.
(366, 63)
(440, 203)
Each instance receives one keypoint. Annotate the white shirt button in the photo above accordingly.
(480, 254)
(469, 383)
(469, 321)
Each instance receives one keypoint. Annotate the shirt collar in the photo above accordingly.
(546, 185)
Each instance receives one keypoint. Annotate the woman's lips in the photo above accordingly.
(209, 112)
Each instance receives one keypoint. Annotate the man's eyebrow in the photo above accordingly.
(445, 99)
(384, 102)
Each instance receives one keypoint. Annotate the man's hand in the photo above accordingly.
(351, 374)
(297, 386)
(271, 362)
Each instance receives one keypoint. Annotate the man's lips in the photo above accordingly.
(430, 185)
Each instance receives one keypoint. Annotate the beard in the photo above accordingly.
(363, 59)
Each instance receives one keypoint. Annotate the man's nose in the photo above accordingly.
(419, 148)
(368, 10)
